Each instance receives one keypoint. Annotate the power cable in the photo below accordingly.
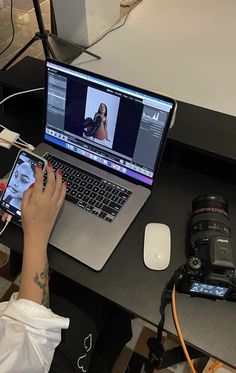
(103, 36)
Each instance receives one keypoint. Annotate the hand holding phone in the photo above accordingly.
(21, 177)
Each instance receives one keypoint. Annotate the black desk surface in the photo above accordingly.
(206, 324)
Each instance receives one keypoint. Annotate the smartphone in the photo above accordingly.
(21, 177)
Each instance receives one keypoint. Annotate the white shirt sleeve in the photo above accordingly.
(29, 334)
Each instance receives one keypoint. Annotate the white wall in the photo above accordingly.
(185, 48)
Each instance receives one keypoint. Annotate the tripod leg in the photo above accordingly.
(82, 49)
(92, 54)
(19, 53)
(43, 34)
(49, 49)
(45, 46)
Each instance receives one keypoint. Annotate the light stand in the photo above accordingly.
(43, 35)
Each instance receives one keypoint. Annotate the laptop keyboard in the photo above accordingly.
(89, 192)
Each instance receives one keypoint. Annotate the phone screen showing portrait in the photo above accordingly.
(21, 177)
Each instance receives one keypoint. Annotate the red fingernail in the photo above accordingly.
(38, 165)
(3, 187)
(32, 185)
(59, 172)
(49, 165)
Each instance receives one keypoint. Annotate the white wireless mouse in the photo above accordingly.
(156, 251)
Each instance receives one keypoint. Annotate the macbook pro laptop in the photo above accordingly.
(107, 137)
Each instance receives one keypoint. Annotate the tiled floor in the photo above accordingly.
(25, 27)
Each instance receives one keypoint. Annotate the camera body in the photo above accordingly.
(210, 269)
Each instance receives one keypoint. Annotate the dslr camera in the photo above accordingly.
(210, 269)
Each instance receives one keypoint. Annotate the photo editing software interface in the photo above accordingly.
(126, 126)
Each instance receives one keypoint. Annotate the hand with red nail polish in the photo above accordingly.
(2, 187)
(3, 183)
(40, 206)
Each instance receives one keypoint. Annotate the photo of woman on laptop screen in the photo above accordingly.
(100, 117)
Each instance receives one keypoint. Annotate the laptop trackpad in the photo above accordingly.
(67, 223)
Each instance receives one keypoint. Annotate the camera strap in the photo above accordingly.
(155, 344)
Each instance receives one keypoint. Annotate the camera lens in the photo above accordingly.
(210, 201)
(209, 218)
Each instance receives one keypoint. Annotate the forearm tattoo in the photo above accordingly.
(42, 281)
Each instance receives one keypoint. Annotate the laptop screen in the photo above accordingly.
(118, 126)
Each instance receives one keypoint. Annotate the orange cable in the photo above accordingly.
(173, 296)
